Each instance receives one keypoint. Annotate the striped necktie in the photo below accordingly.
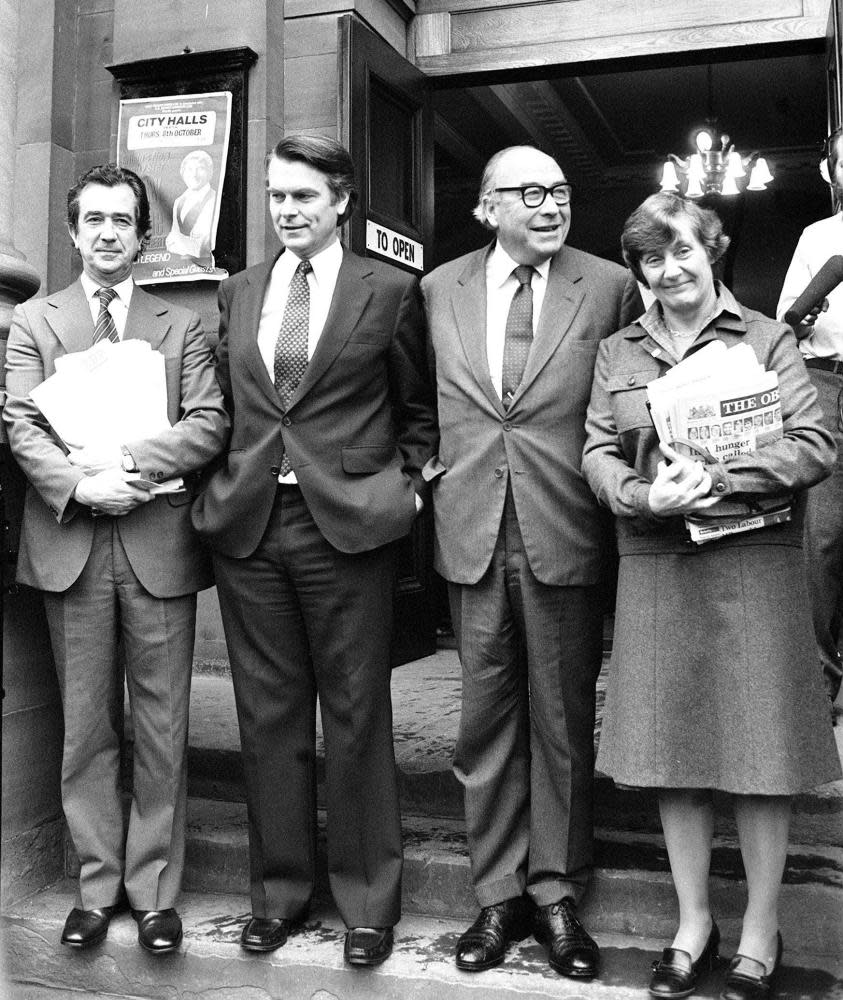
(105, 328)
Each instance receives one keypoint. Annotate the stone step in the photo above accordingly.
(210, 965)
(632, 892)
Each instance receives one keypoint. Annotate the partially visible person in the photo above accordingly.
(821, 343)
(193, 210)
(712, 685)
(323, 366)
(515, 328)
(119, 569)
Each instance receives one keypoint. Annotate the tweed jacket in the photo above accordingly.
(621, 452)
(535, 446)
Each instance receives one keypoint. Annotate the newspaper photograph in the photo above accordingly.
(179, 147)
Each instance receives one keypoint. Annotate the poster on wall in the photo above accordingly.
(178, 145)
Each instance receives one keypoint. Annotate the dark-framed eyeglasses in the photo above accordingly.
(533, 195)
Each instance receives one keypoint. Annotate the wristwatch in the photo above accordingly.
(128, 462)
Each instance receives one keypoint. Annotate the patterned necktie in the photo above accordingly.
(291, 346)
(105, 328)
(519, 334)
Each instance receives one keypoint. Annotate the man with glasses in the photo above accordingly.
(520, 539)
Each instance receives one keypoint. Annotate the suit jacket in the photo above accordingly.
(56, 533)
(536, 444)
(358, 429)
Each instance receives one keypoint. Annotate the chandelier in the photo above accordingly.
(715, 168)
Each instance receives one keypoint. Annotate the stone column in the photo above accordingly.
(18, 281)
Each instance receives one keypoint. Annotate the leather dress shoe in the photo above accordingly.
(751, 981)
(84, 928)
(675, 975)
(572, 951)
(367, 945)
(265, 933)
(159, 931)
(483, 945)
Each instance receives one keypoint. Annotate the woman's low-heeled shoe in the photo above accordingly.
(743, 984)
(675, 975)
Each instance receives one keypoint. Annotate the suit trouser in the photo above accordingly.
(530, 654)
(104, 614)
(824, 537)
(302, 619)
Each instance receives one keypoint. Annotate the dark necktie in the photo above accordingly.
(519, 333)
(105, 328)
(291, 346)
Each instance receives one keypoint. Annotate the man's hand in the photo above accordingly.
(93, 460)
(109, 492)
(806, 327)
(680, 487)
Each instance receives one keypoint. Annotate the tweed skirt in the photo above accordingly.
(715, 681)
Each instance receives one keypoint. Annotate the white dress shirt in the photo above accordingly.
(501, 285)
(119, 305)
(321, 280)
(817, 243)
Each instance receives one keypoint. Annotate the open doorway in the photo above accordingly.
(611, 128)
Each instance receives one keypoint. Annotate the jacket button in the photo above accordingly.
(275, 470)
(286, 421)
(720, 487)
(507, 426)
(498, 473)
(631, 380)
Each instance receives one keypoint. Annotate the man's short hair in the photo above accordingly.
(654, 226)
(327, 156)
(200, 155)
(110, 175)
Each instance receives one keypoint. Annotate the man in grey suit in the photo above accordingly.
(119, 567)
(515, 329)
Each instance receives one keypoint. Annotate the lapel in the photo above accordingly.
(562, 300)
(69, 317)
(148, 318)
(468, 300)
(256, 281)
(353, 290)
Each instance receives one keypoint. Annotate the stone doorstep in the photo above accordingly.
(210, 964)
(632, 892)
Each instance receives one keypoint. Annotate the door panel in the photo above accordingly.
(385, 120)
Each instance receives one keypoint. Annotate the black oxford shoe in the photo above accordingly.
(84, 928)
(159, 931)
(572, 951)
(265, 933)
(368, 945)
(675, 975)
(483, 945)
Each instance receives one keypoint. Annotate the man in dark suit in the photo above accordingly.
(118, 566)
(515, 329)
(323, 367)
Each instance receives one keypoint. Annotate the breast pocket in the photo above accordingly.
(628, 392)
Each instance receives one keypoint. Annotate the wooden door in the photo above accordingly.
(386, 124)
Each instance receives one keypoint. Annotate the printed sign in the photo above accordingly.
(388, 243)
(179, 146)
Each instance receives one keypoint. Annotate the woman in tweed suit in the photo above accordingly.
(713, 683)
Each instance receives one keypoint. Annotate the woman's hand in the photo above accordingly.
(681, 486)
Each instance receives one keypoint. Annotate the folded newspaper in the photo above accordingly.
(716, 404)
(106, 396)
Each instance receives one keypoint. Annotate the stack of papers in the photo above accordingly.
(716, 404)
(106, 396)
